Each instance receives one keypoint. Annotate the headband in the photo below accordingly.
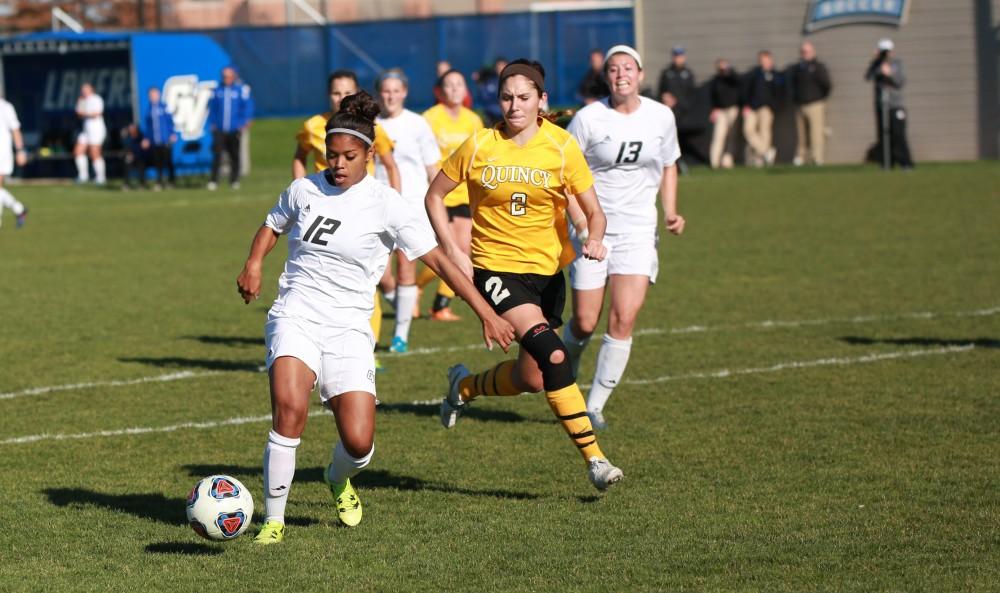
(526, 71)
(623, 49)
(393, 73)
(354, 133)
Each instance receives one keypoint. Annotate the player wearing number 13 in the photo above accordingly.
(631, 144)
(341, 226)
(518, 175)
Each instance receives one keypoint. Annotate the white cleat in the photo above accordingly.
(602, 474)
(452, 404)
(597, 420)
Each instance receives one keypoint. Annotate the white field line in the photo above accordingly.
(119, 383)
(784, 366)
(768, 324)
(143, 429)
(720, 374)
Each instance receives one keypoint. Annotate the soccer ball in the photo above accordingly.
(219, 508)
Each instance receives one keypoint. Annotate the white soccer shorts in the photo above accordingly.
(343, 359)
(92, 135)
(627, 254)
(6, 161)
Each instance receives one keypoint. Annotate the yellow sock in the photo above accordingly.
(568, 406)
(445, 290)
(425, 277)
(376, 319)
(497, 381)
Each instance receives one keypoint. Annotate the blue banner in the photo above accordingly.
(830, 13)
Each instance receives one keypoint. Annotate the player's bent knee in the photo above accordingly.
(550, 353)
(358, 447)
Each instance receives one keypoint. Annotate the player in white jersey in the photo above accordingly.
(341, 226)
(630, 143)
(417, 156)
(90, 109)
(10, 137)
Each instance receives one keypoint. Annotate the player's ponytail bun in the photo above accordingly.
(357, 112)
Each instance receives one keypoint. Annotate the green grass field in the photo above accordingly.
(812, 404)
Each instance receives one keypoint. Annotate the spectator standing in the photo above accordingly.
(761, 93)
(159, 137)
(810, 85)
(230, 113)
(593, 86)
(886, 70)
(90, 109)
(487, 89)
(678, 90)
(136, 157)
(725, 89)
(10, 137)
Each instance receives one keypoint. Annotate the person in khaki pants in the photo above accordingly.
(761, 93)
(810, 86)
(726, 89)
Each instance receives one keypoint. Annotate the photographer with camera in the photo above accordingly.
(886, 70)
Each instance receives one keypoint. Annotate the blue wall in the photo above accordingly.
(287, 67)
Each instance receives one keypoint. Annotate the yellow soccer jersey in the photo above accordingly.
(312, 138)
(517, 196)
(450, 133)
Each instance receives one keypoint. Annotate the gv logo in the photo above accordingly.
(187, 99)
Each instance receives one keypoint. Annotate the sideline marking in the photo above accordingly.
(117, 383)
(768, 324)
(720, 374)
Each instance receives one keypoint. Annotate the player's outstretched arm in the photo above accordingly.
(248, 282)
(299, 163)
(438, 215)
(597, 222)
(495, 329)
(391, 170)
(668, 196)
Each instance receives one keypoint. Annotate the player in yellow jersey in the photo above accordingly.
(519, 175)
(452, 123)
(311, 140)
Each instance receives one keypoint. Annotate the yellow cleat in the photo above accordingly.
(271, 532)
(346, 500)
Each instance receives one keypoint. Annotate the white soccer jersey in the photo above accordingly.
(93, 126)
(339, 242)
(415, 148)
(627, 154)
(8, 123)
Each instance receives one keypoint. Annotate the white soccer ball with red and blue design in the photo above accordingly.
(219, 508)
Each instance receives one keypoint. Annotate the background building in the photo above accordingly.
(949, 47)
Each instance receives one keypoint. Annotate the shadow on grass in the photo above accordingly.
(434, 410)
(375, 479)
(153, 505)
(183, 549)
(918, 341)
(175, 362)
(228, 340)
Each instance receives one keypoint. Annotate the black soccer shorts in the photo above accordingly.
(506, 290)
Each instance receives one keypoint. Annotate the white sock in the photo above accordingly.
(390, 297)
(81, 167)
(344, 466)
(406, 297)
(575, 346)
(279, 469)
(7, 200)
(99, 170)
(611, 361)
